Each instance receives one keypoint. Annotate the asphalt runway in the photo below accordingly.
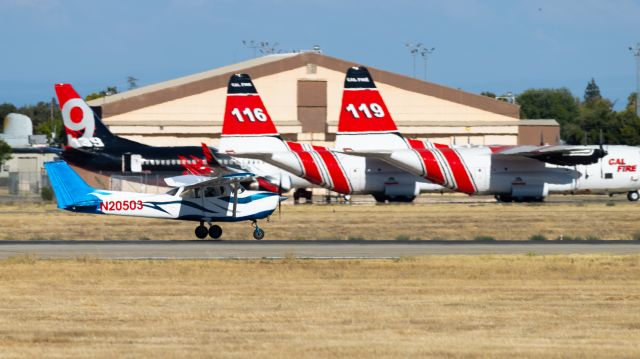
(299, 249)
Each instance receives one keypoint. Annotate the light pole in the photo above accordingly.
(251, 45)
(267, 48)
(424, 52)
(413, 49)
(636, 53)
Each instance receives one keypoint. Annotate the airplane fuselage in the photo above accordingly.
(476, 170)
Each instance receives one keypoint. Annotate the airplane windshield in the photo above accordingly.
(190, 193)
(173, 191)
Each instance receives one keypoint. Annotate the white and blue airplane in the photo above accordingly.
(192, 198)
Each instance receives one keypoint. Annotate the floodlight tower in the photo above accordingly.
(425, 52)
(636, 53)
(252, 45)
(414, 49)
(267, 48)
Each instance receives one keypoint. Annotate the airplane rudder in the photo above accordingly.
(358, 77)
(66, 183)
(83, 125)
(245, 113)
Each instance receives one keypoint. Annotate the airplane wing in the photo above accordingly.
(557, 155)
(193, 181)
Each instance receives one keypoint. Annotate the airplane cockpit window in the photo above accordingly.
(190, 193)
(215, 191)
(173, 191)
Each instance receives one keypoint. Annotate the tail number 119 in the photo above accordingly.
(251, 114)
(369, 111)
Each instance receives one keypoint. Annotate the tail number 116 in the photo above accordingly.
(369, 111)
(251, 114)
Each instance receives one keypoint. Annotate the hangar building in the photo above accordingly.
(303, 93)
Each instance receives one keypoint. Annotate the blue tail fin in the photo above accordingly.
(70, 189)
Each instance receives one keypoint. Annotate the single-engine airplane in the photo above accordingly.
(192, 198)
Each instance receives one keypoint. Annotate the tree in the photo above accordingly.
(488, 94)
(595, 116)
(558, 104)
(5, 152)
(5, 109)
(592, 92)
(110, 90)
(632, 101)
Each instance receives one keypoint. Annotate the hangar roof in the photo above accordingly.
(268, 65)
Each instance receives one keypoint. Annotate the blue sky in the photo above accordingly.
(489, 45)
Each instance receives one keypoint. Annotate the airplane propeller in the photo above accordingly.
(280, 197)
(602, 151)
(236, 186)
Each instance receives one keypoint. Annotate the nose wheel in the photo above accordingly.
(258, 233)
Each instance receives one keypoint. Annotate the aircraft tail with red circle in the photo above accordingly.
(83, 126)
(365, 123)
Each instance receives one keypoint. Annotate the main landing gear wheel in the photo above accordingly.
(633, 196)
(201, 231)
(258, 233)
(215, 231)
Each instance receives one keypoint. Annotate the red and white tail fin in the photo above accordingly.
(365, 124)
(247, 126)
(77, 116)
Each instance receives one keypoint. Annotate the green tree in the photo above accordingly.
(110, 90)
(558, 104)
(628, 123)
(592, 92)
(5, 109)
(488, 94)
(5, 152)
(632, 100)
(597, 115)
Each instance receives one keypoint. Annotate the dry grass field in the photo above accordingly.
(605, 219)
(482, 306)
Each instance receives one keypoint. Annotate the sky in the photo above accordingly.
(489, 45)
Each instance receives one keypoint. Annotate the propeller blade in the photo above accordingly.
(541, 139)
(235, 198)
(280, 195)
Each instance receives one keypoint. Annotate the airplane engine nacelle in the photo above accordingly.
(538, 191)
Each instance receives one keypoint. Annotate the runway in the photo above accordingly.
(300, 249)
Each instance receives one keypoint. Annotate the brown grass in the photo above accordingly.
(486, 306)
(369, 221)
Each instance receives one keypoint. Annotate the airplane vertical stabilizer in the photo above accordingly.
(247, 126)
(70, 189)
(365, 124)
(83, 126)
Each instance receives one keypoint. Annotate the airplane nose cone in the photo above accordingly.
(283, 198)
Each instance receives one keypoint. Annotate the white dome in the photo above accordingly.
(17, 125)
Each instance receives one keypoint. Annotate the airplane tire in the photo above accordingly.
(633, 196)
(215, 231)
(380, 198)
(258, 234)
(504, 198)
(201, 232)
(401, 199)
